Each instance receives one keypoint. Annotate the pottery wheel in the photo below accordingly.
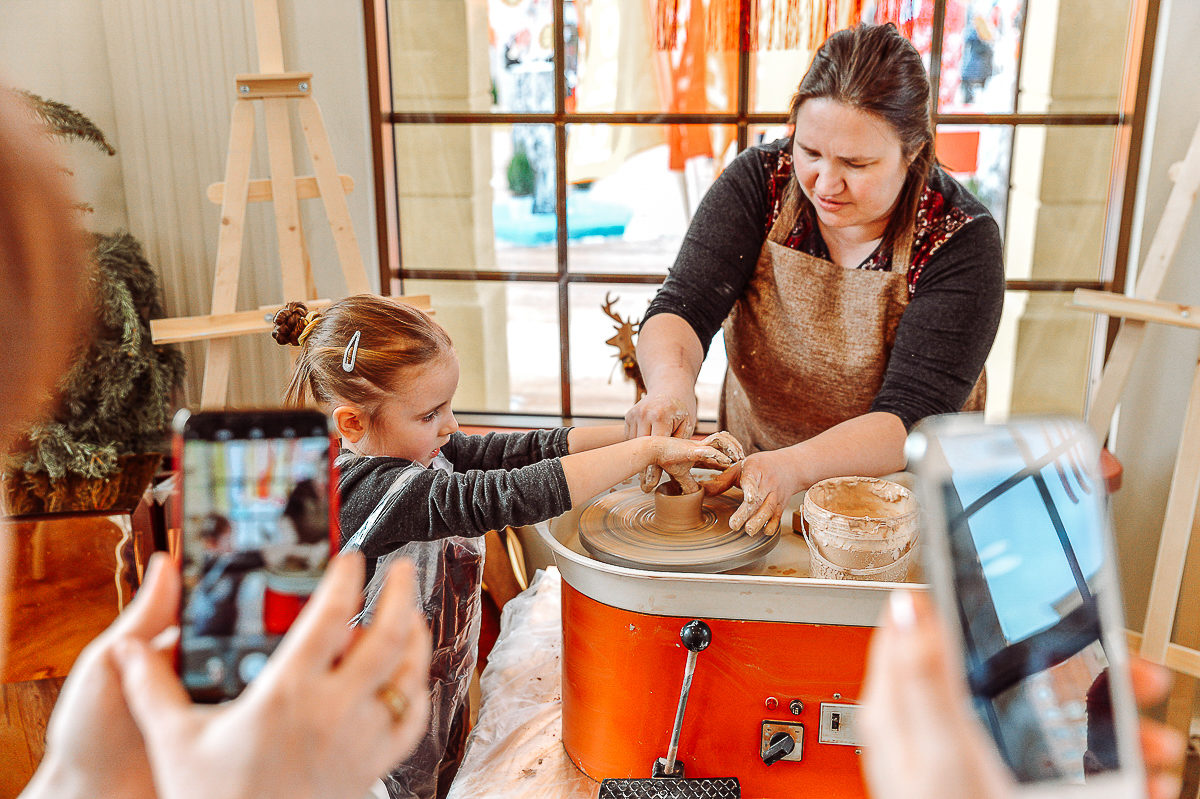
(620, 528)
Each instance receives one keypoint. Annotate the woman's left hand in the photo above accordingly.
(768, 482)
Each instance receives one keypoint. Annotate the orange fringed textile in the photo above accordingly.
(735, 24)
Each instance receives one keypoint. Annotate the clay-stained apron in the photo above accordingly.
(808, 341)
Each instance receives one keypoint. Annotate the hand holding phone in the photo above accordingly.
(258, 518)
(1018, 554)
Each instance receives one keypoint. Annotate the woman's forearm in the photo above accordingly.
(669, 354)
(870, 445)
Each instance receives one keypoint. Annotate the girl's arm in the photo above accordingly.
(582, 439)
(590, 472)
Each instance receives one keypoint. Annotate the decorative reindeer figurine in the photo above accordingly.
(626, 348)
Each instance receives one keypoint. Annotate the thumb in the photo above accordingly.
(155, 696)
(156, 605)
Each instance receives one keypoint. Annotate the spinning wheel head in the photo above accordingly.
(622, 528)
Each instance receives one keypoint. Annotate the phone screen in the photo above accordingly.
(257, 531)
(1028, 558)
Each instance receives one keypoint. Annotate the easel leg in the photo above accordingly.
(1177, 528)
(229, 250)
(333, 196)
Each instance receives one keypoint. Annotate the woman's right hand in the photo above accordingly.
(661, 414)
(333, 709)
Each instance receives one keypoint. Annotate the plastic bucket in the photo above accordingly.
(860, 528)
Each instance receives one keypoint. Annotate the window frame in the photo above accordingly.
(1128, 120)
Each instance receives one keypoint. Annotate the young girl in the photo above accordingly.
(412, 486)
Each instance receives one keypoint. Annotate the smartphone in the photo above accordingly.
(1018, 553)
(257, 514)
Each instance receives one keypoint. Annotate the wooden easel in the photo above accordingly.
(274, 88)
(1177, 537)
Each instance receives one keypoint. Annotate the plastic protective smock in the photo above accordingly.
(448, 576)
(436, 517)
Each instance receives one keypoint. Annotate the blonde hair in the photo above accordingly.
(354, 350)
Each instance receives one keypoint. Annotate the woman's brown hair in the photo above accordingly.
(354, 350)
(876, 70)
(44, 256)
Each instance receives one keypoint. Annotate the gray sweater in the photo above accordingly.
(498, 479)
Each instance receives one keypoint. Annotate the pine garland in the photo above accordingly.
(116, 398)
(65, 122)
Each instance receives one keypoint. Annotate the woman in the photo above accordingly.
(859, 286)
(333, 708)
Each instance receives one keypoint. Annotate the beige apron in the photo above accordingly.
(808, 341)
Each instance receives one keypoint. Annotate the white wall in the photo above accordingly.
(1153, 404)
(158, 79)
(56, 48)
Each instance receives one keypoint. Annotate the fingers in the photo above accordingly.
(153, 692)
(321, 633)
(720, 483)
(1162, 746)
(682, 474)
(769, 512)
(156, 605)
(1150, 681)
(726, 443)
(397, 638)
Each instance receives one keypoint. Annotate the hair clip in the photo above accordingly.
(351, 352)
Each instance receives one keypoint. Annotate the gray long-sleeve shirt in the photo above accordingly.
(498, 479)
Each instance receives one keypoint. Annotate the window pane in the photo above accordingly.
(775, 74)
(633, 189)
(978, 158)
(981, 45)
(506, 336)
(1056, 210)
(1040, 359)
(1073, 57)
(440, 55)
(620, 69)
(476, 196)
(598, 387)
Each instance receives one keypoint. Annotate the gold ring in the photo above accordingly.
(394, 701)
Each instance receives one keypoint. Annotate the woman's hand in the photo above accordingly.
(333, 709)
(920, 737)
(767, 482)
(677, 456)
(661, 414)
(93, 745)
(1162, 747)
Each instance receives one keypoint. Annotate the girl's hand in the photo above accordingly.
(767, 484)
(333, 709)
(677, 456)
(661, 414)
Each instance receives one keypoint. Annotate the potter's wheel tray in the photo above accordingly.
(620, 528)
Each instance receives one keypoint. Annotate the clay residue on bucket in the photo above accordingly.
(860, 528)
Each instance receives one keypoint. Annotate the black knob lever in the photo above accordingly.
(780, 746)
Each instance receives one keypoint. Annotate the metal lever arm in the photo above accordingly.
(696, 636)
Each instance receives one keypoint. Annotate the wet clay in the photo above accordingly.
(675, 510)
(860, 528)
(627, 528)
